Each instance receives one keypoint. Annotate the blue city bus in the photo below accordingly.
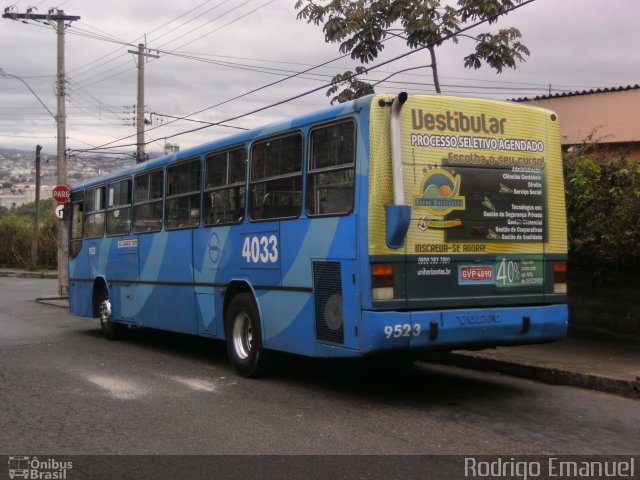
(389, 224)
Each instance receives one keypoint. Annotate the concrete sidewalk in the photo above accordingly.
(606, 366)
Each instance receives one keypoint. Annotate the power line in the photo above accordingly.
(197, 121)
(353, 75)
(187, 22)
(180, 16)
(101, 106)
(295, 97)
(312, 76)
(222, 26)
(26, 136)
(128, 68)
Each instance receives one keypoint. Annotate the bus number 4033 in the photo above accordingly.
(262, 249)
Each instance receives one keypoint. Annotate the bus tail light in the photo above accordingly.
(382, 281)
(560, 277)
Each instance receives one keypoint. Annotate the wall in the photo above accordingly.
(613, 113)
(607, 311)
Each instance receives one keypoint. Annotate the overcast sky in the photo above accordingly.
(224, 46)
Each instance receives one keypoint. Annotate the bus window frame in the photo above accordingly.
(76, 203)
(178, 196)
(119, 207)
(93, 213)
(137, 203)
(312, 172)
(227, 186)
(263, 180)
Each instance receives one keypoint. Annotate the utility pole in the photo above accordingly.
(57, 19)
(140, 154)
(36, 223)
(63, 235)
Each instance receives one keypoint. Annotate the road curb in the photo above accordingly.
(62, 302)
(554, 376)
(9, 274)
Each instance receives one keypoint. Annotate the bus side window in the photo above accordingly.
(331, 176)
(119, 208)
(93, 213)
(147, 208)
(276, 178)
(182, 204)
(225, 187)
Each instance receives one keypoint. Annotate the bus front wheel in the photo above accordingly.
(110, 329)
(244, 338)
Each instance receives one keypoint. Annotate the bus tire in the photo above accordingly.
(244, 338)
(110, 328)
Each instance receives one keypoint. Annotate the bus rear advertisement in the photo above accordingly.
(478, 255)
(390, 224)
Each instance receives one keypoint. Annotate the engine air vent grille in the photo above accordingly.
(327, 287)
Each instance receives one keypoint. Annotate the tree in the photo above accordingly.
(16, 234)
(362, 26)
(15, 241)
(603, 212)
(29, 209)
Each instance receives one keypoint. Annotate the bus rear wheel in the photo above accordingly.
(110, 329)
(244, 338)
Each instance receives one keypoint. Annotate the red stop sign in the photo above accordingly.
(61, 193)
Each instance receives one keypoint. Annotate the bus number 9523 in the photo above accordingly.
(402, 330)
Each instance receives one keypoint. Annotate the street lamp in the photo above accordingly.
(5, 74)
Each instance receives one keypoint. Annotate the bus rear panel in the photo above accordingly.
(471, 252)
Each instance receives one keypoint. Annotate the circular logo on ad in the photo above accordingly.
(440, 193)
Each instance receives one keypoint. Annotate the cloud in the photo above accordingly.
(574, 44)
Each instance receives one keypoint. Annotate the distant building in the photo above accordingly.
(611, 112)
(15, 200)
(171, 148)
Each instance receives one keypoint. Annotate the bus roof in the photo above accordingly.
(281, 126)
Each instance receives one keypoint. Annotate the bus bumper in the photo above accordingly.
(459, 329)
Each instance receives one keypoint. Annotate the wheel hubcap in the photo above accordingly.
(242, 335)
(105, 311)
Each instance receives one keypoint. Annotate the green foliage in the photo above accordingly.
(499, 51)
(15, 241)
(29, 209)
(603, 211)
(362, 26)
(16, 235)
(355, 89)
(47, 242)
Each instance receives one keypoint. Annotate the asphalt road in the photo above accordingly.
(66, 390)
